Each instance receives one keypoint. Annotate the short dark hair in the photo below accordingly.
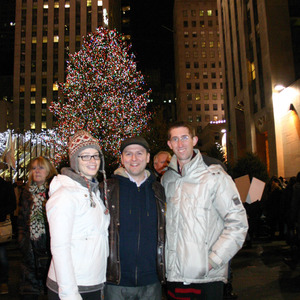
(182, 124)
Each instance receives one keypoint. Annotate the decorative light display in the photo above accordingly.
(103, 94)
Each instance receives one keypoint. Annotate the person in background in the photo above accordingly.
(33, 233)
(206, 223)
(7, 206)
(78, 221)
(160, 163)
(137, 229)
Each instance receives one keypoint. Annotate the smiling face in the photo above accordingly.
(135, 158)
(89, 168)
(182, 144)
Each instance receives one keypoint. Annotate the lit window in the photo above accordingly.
(195, 44)
(203, 44)
(203, 54)
(205, 75)
(45, 6)
(89, 3)
(209, 12)
(188, 75)
(33, 40)
(186, 44)
(56, 4)
(202, 33)
(215, 118)
(196, 75)
(197, 97)
(198, 118)
(55, 39)
(44, 100)
(44, 125)
(214, 96)
(201, 23)
(55, 87)
(186, 34)
(212, 54)
(205, 96)
(32, 100)
(201, 13)
(190, 119)
(67, 5)
(32, 125)
(211, 44)
(33, 88)
(45, 39)
(187, 54)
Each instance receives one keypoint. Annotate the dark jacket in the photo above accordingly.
(7, 200)
(29, 283)
(139, 257)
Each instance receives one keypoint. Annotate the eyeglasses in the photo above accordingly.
(89, 157)
(183, 138)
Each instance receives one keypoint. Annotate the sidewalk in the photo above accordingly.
(259, 273)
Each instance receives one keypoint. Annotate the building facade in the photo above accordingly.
(198, 69)
(45, 33)
(257, 56)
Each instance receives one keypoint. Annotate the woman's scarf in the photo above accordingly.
(38, 211)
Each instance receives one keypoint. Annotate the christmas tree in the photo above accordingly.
(103, 94)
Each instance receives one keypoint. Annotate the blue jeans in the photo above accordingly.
(147, 292)
(3, 264)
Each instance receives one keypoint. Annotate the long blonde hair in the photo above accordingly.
(43, 162)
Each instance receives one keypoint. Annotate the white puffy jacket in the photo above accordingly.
(206, 221)
(79, 238)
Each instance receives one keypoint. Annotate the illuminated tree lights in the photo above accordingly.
(103, 93)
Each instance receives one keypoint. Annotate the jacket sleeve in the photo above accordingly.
(61, 214)
(228, 204)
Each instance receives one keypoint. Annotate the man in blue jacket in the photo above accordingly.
(137, 229)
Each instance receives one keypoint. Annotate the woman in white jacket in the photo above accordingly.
(78, 221)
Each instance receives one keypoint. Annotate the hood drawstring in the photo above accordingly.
(104, 182)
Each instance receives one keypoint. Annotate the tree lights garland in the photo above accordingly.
(103, 93)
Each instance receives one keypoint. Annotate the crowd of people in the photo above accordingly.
(145, 233)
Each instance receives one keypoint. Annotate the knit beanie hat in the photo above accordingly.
(78, 142)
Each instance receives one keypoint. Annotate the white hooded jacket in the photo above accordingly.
(205, 221)
(79, 238)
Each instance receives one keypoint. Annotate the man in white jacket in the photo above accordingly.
(206, 223)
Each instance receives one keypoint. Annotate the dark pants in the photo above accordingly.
(147, 292)
(85, 296)
(3, 264)
(195, 291)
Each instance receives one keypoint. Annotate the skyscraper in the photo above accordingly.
(45, 33)
(259, 41)
(198, 67)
